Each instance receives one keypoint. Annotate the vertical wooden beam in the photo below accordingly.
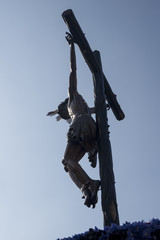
(109, 203)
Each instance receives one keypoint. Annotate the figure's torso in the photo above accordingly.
(77, 106)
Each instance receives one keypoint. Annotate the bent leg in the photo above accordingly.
(73, 154)
(89, 187)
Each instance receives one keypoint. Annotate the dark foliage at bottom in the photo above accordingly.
(128, 231)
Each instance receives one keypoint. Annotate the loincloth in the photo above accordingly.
(83, 131)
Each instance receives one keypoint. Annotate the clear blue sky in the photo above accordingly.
(37, 198)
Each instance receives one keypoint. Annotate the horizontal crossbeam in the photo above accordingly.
(87, 53)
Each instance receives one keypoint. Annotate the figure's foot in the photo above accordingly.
(94, 187)
(90, 191)
(92, 156)
(87, 195)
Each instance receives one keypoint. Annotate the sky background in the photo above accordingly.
(38, 200)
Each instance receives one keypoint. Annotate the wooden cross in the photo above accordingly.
(103, 92)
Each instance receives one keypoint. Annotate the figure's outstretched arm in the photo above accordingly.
(73, 75)
(92, 110)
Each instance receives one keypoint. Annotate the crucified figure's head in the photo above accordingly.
(62, 111)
